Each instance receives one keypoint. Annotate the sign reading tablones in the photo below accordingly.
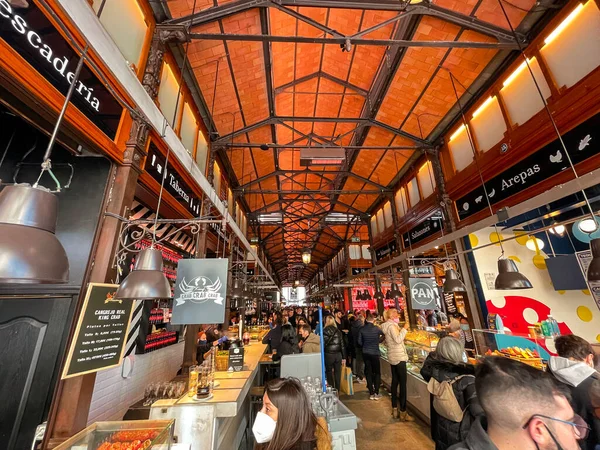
(200, 291)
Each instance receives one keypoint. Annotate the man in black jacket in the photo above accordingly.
(369, 337)
(526, 409)
(357, 359)
(575, 367)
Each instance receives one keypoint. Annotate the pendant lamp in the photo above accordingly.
(147, 280)
(387, 295)
(509, 276)
(593, 273)
(367, 295)
(359, 295)
(378, 295)
(30, 251)
(236, 291)
(396, 292)
(453, 282)
(245, 293)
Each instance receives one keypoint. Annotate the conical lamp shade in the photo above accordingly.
(388, 296)
(509, 276)
(366, 295)
(359, 296)
(30, 253)
(396, 292)
(147, 280)
(453, 283)
(593, 273)
(236, 290)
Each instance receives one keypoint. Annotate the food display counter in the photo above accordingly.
(418, 345)
(219, 422)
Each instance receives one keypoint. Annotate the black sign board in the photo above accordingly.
(419, 271)
(200, 291)
(423, 293)
(99, 340)
(155, 166)
(450, 303)
(423, 230)
(386, 250)
(581, 142)
(29, 32)
(236, 360)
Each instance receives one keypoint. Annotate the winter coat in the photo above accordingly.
(285, 348)
(354, 330)
(312, 344)
(584, 384)
(273, 337)
(445, 432)
(333, 341)
(477, 438)
(369, 338)
(394, 342)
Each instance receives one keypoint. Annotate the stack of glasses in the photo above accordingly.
(323, 404)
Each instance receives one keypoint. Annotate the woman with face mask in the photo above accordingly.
(397, 357)
(286, 420)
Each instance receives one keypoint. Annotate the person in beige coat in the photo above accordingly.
(310, 342)
(397, 357)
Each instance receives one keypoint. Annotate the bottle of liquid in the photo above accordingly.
(554, 326)
(546, 328)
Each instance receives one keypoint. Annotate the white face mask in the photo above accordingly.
(263, 428)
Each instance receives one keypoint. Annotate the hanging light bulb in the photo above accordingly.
(509, 276)
(534, 244)
(146, 281)
(306, 256)
(453, 282)
(593, 273)
(30, 251)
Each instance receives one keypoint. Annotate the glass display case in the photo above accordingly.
(125, 435)
(524, 348)
(419, 343)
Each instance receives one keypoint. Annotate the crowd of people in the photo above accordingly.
(496, 404)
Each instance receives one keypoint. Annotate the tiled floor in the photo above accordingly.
(377, 429)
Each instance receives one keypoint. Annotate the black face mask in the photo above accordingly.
(558, 446)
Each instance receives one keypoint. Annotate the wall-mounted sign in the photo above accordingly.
(200, 291)
(424, 293)
(386, 250)
(450, 303)
(585, 258)
(421, 271)
(423, 230)
(29, 32)
(155, 166)
(582, 143)
(99, 340)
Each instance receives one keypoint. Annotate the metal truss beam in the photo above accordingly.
(344, 41)
(312, 76)
(316, 191)
(281, 147)
(322, 174)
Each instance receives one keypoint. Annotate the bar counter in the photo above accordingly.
(220, 422)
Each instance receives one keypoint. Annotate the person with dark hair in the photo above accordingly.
(288, 344)
(446, 363)
(525, 409)
(335, 353)
(273, 337)
(369, 337)
(575, 367)
(286, 420)
(309, 342)
(358, 364)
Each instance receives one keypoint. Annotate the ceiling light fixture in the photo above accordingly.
(453, 283)
(588, 225)
(558, 230)
(534, 244)
(306, 257)
(594, 243)
(367, 295)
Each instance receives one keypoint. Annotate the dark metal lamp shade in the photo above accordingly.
(593, 273)
(147, 280)
(30, 252)
(359, 296)
(453, 282)
(236, 290)
(509, 276)
(396, 292)
(366, 295)
(388, 296)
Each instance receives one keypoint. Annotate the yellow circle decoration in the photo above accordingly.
(540, 262)
(474, 240)
(561, 292)
(598, 338)
(515, 258)
(586, 291)
(522, 237)
(584, 313)
(495, 238)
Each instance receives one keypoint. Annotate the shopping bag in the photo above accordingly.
(346, 385)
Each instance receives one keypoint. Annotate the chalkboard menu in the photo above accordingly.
(99, 339)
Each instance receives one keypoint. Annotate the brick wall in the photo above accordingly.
(113, 394)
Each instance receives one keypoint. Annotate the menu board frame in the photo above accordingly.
(99, 289)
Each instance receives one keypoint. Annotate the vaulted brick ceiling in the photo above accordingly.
(405, 93)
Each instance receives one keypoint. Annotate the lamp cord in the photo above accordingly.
(162, 181)
(547, 109)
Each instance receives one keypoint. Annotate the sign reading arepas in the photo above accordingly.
(101, 331)
(200, 291)
(424, 293)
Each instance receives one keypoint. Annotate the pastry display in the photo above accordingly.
(525, 355)
(129, 440)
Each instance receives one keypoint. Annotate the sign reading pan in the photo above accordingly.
(99, 340)
(155, 166)
(581, 142)
(29, 32)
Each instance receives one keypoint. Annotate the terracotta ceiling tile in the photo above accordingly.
(490, 11)
(181, 8)
(389, 166)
